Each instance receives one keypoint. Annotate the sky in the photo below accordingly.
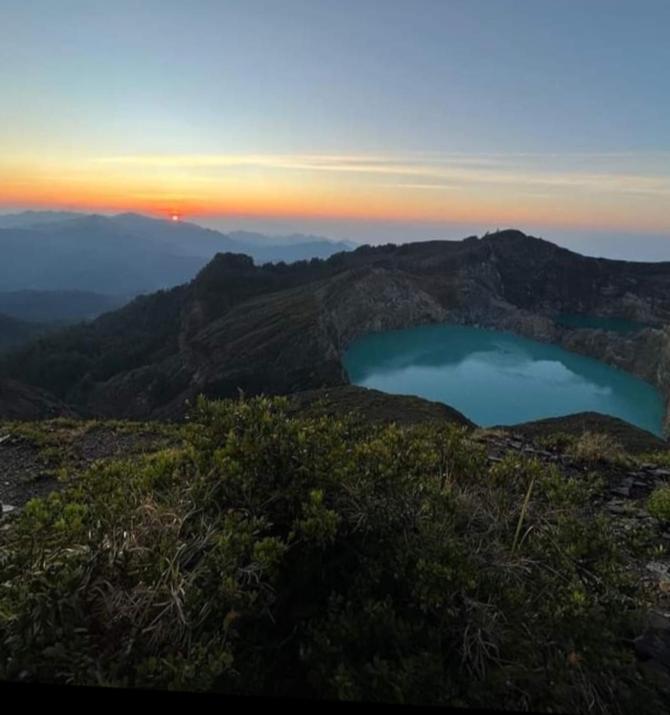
(371, 120)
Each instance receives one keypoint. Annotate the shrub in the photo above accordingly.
(324, 558)
(557, 441)
(659, 458)
(658, 503)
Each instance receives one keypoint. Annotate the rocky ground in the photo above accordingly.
(35, 458)
(626, 489)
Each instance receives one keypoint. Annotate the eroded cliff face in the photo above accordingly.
(375, 300)
(477, 294)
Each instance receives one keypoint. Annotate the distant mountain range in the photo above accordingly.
(29, 219)
(128, 253)
(61, 267)
(57, 306)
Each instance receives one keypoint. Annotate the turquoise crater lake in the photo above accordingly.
(497, 378)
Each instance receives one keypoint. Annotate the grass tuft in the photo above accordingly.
(595, 447)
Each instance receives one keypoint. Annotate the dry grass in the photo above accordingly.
(595, 447)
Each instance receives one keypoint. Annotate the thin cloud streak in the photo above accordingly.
(502, 169)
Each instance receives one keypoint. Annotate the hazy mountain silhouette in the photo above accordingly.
(88, 253)
(291, 239)
(260, 239)
(28, 219)
(60, 306)
(190, 239)
(124, 254)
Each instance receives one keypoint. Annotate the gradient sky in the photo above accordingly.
(370, 120)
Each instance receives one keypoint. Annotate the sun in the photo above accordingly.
(175, 217)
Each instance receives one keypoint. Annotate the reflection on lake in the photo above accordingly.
(616, 325)
(499, 378)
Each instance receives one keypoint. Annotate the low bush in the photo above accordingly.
(658, 503)
(557, 441)
(324, 558)
(658, 458)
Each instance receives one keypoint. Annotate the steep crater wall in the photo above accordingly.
(378, 300)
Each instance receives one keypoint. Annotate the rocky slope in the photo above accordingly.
(22, 402)
(281, 329)
(124, 254)
(633, 439)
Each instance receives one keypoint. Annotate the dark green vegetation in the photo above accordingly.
(146, 353)
(333, 558)
(15, 332)
(27, 314)
(371, 405)
(21, 402)
(659, 503)
(57, 306)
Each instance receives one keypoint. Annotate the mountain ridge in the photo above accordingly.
(283, 328)
(125, 253)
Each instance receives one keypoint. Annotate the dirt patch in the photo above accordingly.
(103, 443)
(29, 469)
(23, 473)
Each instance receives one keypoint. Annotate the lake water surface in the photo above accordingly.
(497, 378)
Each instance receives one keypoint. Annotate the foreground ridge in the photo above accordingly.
(257, 550)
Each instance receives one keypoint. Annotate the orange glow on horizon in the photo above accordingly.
(515, 217)
(76, 187)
